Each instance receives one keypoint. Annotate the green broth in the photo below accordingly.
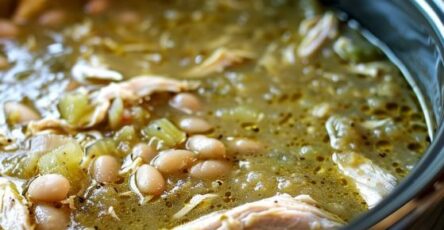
(288, 102)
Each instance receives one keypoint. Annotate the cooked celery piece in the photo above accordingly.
(126, 133)
(355, 50)
(12, 165)
(65, 161)
(30, 163)
(105, 146)
(100, 147)
(139, 115)
(75, 108)
(115, 113)
(165, 131)
(241, 113)
(22, 165)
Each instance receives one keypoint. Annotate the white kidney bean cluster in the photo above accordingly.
(202, 157)
(43, 191)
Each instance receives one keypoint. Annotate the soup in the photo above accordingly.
(151, 114)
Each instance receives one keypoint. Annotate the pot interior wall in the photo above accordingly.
(412, 32)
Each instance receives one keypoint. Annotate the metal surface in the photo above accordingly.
(414, 32)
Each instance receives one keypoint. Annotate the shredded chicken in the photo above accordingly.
(218, 61)
(325, 29)
(70, 201)
(322, 110)
(372, 69)
(14, 210)
(95, 70)
(278, 212)
(47, 142)
(48, 124)
(218, 42)
(194, 202)
(113, 213)
(374, 124)
(343, 133)
(129, 91)
(372, 182)
(143, 199)
(130, 165)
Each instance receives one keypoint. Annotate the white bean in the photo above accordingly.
(53, 18)
(49, 188)
(8, 29)
(149, 180)
(206, 147)
(210, 169)
(20, 113)
(128, 17)
(246, 146)
(144, 151)
(106, 169)
(173, 160)
(194, 125)
(96, 7)
(186, 102)
(50, 218)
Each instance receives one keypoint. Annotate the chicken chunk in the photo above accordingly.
(278, 212)
(14, 210)
(372, 182)
(84, 71)
(343, 133)
(48, 124)
(131, 91)
(325, 29)
(218, 61)
(128, 91)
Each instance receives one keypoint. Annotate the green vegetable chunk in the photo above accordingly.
(115, 113)
(139, 116)
(242, 113)
(75, 108)
(355, 50)
(20, 164)
(126, 133)
(65, 161)
(165, 131)
(101, 147)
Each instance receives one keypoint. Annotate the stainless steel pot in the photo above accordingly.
(413, 32)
